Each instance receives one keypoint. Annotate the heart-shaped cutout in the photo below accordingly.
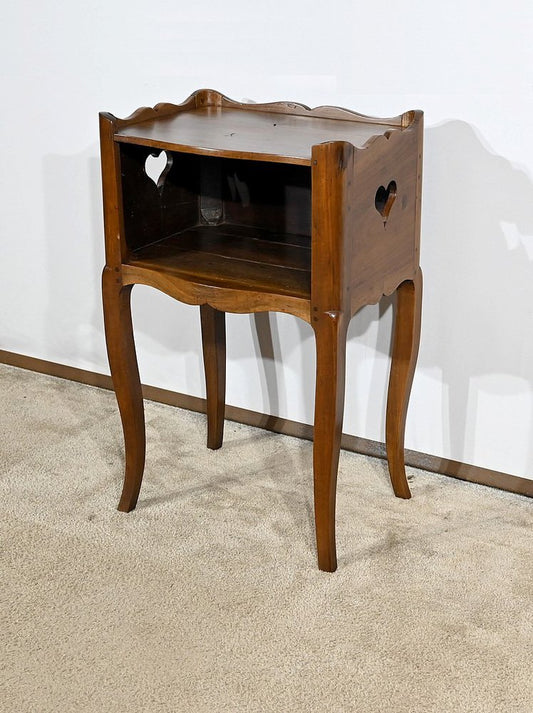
(384, 201)
(157, 166)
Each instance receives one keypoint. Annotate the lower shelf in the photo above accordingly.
(234, 257)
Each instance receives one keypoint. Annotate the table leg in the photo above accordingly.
(126, 382)
(214, 348)
(330, 333)
(404, 355)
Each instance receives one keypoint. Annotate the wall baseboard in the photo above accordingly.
(424, 461)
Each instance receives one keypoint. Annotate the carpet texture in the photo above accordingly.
(208, 597)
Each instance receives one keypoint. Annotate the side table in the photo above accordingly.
(265, 207)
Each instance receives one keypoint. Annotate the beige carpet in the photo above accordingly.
(208, 598)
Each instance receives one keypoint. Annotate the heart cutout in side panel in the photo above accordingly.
(385, 198)
(157, 166)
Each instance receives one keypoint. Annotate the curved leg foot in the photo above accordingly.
(330, 333)
(214, 348)
(404, 355)
(126, 382)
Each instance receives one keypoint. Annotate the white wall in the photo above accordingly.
(470, 69)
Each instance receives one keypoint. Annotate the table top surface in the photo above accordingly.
(252, 134)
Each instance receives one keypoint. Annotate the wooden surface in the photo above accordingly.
(257, 135)
(214, 349)
(406, 340)
(126, 381)
(385, 252)
(222, 256)
(266, 207)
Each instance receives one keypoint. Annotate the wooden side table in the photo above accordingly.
(258, 207)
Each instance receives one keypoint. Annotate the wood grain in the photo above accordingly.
(214, 349)
(330, 302)
(330, 334)
(255, 136)
(404, 354)
(221, 296)
(126, 381)
(212, 256)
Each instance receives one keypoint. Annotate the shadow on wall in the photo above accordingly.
(478, 310)
(477, 331)
(75, 255)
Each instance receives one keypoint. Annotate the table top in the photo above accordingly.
(240, 131)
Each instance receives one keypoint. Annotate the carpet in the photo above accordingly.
(208, 598)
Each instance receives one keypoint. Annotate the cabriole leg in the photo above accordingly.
(330, 332)
(126, 382)
(404, 354)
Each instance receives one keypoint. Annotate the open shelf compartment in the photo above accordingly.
(217, 221)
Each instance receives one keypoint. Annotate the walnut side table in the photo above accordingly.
(265, 207)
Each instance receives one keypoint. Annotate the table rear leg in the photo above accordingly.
(214, 348)
(404, 354)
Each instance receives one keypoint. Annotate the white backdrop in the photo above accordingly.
(472, 74)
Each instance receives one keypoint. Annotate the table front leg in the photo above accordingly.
(330, 333)
(404, 354)
(126, 382)
(214, 349)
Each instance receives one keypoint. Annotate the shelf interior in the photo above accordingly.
(218, 221)
(233, 256)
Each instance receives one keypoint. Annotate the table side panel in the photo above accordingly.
(222, 296)
(385, 248)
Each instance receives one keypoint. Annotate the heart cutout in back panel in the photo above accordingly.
(384, 201)
(157, 167)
